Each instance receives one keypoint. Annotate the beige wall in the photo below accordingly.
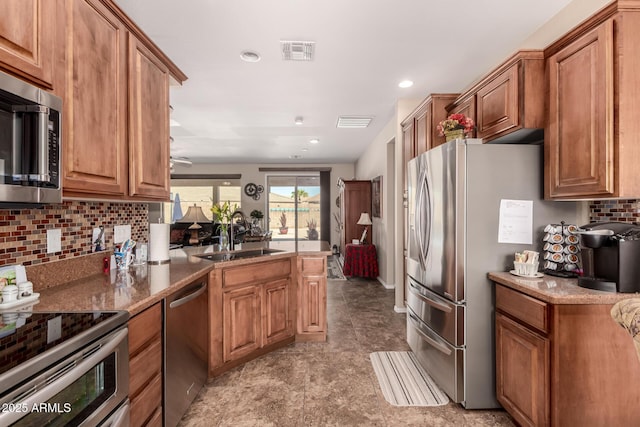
(375, 162)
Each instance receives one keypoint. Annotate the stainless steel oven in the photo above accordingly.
(80, 379)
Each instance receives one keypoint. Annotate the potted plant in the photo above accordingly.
(256, 215)
(455, 126)
(312, 232)
(283, 224)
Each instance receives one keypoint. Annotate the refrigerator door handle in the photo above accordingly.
(423, 210)
(418, 220)
(429, 299)
(428, 215)
(433, 341)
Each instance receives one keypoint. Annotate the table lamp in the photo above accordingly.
(195, 215)
(364, 220)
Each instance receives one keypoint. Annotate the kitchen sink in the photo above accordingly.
(228, 256)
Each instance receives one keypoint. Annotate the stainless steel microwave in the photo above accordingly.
(30, 163)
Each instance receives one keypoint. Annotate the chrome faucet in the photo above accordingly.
(243, 219)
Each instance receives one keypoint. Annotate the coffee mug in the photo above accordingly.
(25, 289)
(9, 293)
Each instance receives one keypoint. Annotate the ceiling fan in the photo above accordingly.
(180, 160)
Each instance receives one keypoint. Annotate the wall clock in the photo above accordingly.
(252, 190)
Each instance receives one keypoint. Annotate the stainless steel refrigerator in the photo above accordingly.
(455, 191)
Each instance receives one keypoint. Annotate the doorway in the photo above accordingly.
(294, 203)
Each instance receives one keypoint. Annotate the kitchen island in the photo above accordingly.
(560, 357)
(260, 297)
(142, 286)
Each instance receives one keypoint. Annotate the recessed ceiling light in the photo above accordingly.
(298, 120)
(249, 56)
(405, 84)
(314, 141)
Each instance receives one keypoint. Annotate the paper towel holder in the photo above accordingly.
(160, 245)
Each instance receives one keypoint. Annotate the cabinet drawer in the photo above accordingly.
(146, 403)
(253, 273)
(156, 419)
(144, 365)
(144, 327)
(312, 265)
(531, 311)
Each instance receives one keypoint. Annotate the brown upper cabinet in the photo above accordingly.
(508, 103)
(27, 37)
(591, 148)
(419, 129)
(116, 115)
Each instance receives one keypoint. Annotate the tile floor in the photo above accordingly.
(328, 384)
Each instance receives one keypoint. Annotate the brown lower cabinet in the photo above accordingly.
(145, 367)
(259, 307)
(312, 298)
(564, 364)
(252, 311)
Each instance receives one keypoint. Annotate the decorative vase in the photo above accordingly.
(454, 134)
(224, 237)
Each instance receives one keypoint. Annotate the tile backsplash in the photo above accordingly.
(23, 232)
(614, 210)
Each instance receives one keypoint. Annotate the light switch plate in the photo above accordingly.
(54, 240)
(54, 329)
(121, 233)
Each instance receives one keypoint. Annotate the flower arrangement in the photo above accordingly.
(222, 213)
(456, 122)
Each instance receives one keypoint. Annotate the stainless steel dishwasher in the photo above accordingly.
(186, 344)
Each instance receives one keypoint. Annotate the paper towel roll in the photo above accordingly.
(158, 243)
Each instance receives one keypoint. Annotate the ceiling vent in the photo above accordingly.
(297, 50)
(353, 122)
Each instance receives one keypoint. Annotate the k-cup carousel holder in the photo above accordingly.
(561, 250)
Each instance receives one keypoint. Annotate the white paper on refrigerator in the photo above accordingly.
(516, 222)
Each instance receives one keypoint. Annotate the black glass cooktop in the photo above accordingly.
(25, 335)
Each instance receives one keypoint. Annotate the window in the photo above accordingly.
(203, 193)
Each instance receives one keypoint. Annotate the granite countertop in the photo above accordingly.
(139, 287)
(557, 290)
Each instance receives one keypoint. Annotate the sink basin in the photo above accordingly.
(228, 256)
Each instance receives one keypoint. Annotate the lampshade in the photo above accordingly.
(194, 215)
(364, 219)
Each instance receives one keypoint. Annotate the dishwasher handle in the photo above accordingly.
(193, 295)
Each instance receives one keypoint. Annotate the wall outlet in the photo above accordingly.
(121, 233)
(54, 240)
(54, 329)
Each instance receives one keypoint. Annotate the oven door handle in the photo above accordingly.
(435, 344)
(189, 297)
(64, 381)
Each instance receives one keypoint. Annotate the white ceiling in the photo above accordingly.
(237, 112)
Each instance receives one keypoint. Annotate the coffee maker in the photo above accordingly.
(610, 257)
